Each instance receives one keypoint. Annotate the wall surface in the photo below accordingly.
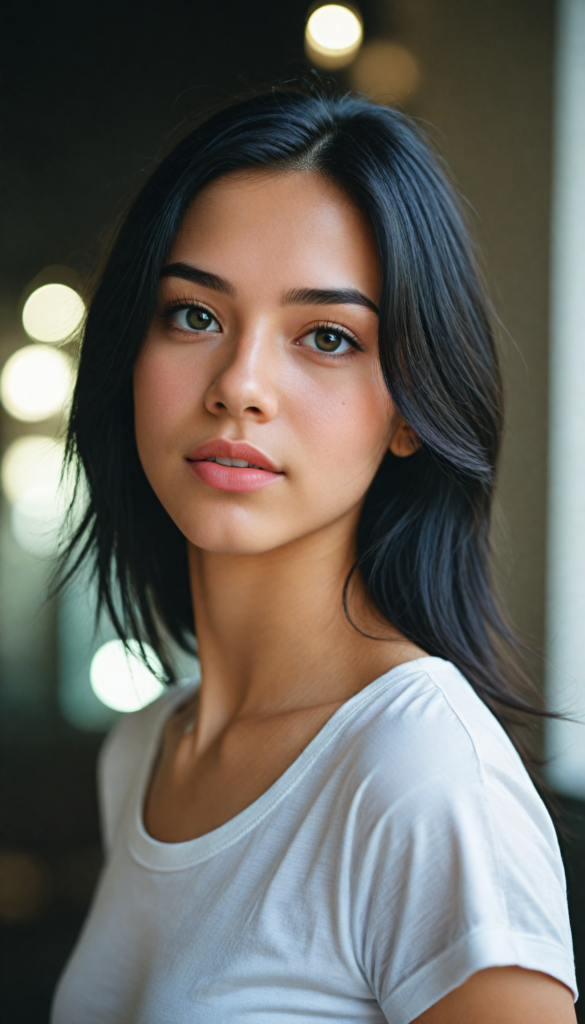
(566, 536)
(487, 93)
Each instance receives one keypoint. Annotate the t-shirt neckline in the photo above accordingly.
(156, 855)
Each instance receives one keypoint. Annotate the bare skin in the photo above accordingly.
(504, 995)
(267, 566)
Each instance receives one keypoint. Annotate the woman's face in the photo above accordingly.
(263, 350)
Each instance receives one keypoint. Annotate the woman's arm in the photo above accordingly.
(504, 995)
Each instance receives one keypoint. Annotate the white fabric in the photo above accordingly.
(405, 849)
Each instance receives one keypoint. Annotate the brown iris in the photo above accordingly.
(199, 319)
(327, 340)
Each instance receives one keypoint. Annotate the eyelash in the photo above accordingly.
(175, 305)
(183, 303)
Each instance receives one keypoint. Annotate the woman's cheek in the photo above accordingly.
(346, 429)
(168, 388)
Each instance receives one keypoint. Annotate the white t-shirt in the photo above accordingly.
(405, 849)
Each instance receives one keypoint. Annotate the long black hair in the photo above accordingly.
(423, 537)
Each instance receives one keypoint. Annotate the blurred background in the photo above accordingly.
(92, 95)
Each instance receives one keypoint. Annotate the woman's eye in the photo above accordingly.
(327, 339)
(195, 318)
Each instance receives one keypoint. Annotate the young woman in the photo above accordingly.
(288, 414)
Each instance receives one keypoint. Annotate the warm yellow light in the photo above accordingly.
(25, 885)
(36, 383)
(333, 35)
(386, 71)
(121, 680)
(53, 312)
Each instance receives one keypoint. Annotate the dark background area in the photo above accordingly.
(91, 95)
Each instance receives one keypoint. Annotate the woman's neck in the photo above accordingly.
(272, 632)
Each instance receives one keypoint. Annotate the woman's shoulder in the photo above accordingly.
(426, 735)
(123, 753)
(430, 707)
(440, 784)
(455, 862)
(126, 741)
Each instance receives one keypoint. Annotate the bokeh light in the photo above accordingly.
(120, 678)
(53, 312)
(36, 520)
(32, 481)
(25, 886)
(385, 71)
(333, 35)
(36, 383)
(31, 461)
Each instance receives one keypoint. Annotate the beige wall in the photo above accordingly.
(487, 67)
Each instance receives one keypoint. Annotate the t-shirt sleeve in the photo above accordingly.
(462, 873)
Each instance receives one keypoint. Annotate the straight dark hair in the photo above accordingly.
(423, 544)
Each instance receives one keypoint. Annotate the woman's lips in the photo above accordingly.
(232, 478)
(232, 466)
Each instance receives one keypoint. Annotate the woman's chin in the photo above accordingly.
(232, 538)
(234, 548)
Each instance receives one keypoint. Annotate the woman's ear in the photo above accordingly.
(404, 440)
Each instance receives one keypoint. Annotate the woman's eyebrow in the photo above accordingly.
(202, 277)
(295, 297)
(328, 297)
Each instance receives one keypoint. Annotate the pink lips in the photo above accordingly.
(232, 478)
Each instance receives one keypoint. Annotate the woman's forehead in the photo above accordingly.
(279, 224)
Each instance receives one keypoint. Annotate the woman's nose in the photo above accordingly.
(246, 387)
